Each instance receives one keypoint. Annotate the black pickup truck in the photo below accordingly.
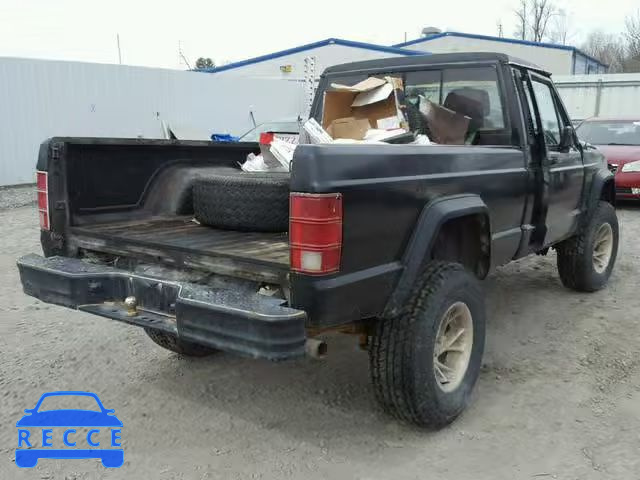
(387, 242)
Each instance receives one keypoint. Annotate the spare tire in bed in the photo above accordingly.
(257, 202)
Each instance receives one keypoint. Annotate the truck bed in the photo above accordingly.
(182, 242)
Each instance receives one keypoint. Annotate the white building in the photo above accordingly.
(555, 58)
(290, 64)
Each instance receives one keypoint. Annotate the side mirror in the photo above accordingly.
(567, 138)
(28, 410)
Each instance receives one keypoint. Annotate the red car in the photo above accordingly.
(619, 140)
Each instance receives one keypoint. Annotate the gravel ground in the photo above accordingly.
(13, 197)
(558, 397)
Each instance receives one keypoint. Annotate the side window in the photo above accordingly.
(548, 112)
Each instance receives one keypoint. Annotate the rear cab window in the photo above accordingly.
(470, 92)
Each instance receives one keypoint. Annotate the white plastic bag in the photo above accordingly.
(255, 163)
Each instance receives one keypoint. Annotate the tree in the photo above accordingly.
(607, 48)
(204, 62)
(542, 11)
(533, 19)
(560, 30)
(522, 14)
(632, 35)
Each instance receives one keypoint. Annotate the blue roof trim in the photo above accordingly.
(498, 39)
(311, 46)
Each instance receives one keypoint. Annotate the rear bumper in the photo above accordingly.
(247, 324)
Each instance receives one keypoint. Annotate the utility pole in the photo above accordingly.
(181, 55)
(119, 51)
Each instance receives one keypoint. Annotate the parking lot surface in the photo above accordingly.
(558, 397)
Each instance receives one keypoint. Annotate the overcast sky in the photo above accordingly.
(150, 31)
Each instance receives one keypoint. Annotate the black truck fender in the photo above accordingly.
(602, 188)
(430, 223)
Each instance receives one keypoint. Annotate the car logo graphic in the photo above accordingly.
(38, 421)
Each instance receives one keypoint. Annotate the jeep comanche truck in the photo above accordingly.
(388, 242)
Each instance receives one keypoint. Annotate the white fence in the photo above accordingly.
(41, 99)
(611, 95)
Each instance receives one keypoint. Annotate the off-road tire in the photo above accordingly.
(173, 343)
(257, 202)
(402, 348)
(575, 255)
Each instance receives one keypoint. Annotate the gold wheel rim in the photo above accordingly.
(602, 248)
(452, 350)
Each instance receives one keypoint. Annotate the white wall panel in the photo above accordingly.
(619, 94)
(41, 99)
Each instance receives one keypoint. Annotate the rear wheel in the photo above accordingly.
(586, 260)
(173, 343)
(425, 361)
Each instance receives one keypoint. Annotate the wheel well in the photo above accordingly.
(465, 240)
(608, 192)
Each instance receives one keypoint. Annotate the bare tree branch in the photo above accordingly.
(542, 11)
(560, 30)
(522, 14)
(609, 49)
(533, 19)
(633, 35)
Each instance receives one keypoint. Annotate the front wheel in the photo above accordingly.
(425, 361)
(586, 260)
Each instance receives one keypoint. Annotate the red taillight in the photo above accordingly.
(42, 189)
(266, 138)
(315, 232)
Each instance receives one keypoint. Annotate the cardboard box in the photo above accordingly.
(348, 109)
(363, 86)
(349, 127)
